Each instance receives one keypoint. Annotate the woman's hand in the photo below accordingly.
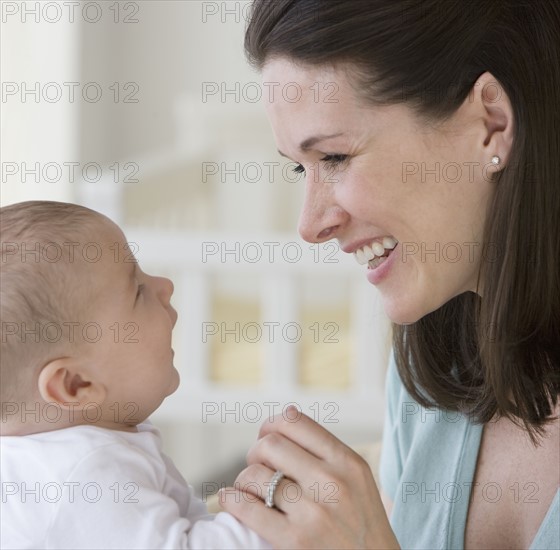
(328, 498)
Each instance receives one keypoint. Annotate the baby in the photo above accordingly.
(85, 358)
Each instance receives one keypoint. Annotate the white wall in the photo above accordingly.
(37, 127)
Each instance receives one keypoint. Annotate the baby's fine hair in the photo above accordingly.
(40, 292)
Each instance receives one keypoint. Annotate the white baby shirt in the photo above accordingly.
(90, 487)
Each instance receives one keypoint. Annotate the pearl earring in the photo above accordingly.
(496, 160)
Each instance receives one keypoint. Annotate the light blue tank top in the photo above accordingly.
(427, 467)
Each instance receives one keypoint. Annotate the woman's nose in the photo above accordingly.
(165, 289)
(320, 216)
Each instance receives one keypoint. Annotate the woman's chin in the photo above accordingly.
(401, 311)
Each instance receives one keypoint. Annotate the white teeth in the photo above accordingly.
(369, 253)
(389, 243)
(375, 250)
(378, 249)
(360, 256)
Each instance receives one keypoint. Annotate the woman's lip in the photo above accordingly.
(375, 276)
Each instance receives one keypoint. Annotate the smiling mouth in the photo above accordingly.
(375, 253)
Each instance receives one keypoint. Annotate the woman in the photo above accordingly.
(439, 151)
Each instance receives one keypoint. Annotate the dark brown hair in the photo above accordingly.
(499, 355)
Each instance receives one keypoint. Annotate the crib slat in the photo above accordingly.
(196, 305)
(279, 299)
(370, 329)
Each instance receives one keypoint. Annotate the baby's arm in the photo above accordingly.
(133, 502)
(224, 532)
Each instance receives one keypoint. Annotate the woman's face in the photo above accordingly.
(379, 175)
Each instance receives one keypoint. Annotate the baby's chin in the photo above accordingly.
(174, 384)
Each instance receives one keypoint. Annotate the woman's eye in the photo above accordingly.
(140, 289)
(299, 169)
(334, 160)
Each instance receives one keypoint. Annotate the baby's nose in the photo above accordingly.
(174, 315)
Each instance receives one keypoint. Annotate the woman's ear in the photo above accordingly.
(65, 382)
(493, 104)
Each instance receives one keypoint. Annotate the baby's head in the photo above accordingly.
(85, 334)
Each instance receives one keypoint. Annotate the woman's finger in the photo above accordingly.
(269, 523)
(316, 481)
(256, 480)
(307, 434)
(334, 499)
(278, 452)
(325, 520)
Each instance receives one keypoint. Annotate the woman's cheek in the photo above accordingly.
(353, 189)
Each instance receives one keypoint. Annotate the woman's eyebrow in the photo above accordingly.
(306, 144)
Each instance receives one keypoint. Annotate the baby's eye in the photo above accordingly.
(140, 289)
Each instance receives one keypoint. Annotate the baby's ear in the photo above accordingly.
(65, 382)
